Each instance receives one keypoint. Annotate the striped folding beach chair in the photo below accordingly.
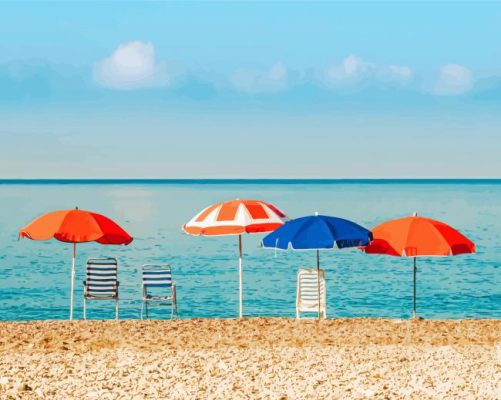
(307, 292)
(101, 281)
(158, 287)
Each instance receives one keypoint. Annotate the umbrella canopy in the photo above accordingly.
(417, 236)
(75, 226)
(236, 217)
(317, 232)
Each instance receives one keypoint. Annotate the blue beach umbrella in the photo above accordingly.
(317, 232)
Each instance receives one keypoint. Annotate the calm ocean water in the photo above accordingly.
(35, 276)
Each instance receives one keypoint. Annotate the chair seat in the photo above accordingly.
(108, 297)
(313, 307)
(157, 298)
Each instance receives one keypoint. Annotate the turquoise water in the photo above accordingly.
(35, 276)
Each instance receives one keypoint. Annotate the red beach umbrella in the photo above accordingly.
(236, 217)
(418, 237)
(75, 226)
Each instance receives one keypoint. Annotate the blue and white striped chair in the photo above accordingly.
(158, 287)
(101, 281)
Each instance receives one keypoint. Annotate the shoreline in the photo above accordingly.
(283, 330)
(250, 358)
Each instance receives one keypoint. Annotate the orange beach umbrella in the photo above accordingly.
(75, 226)
(418, 237)
(236, 217)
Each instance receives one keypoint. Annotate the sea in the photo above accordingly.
(35, 275)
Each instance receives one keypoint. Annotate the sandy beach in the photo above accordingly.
(269, 358)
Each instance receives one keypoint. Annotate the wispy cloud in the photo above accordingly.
(454, 79)
(350, 69)
(401, 71)
(257, 81)
(353, 70)
(132, 65)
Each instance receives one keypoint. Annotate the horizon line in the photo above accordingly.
(242, 180)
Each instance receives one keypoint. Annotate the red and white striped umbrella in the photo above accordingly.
(235, 217)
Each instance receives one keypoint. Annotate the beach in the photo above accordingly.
(269, 358)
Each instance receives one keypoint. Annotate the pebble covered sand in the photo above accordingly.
(255, 358)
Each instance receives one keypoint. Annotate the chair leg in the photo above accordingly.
(147, 310)
(116, 309)
(85, 309)
(173, 308)
(142, 306)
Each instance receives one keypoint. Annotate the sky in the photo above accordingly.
(250, 90)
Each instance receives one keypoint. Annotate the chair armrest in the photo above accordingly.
(298, 295)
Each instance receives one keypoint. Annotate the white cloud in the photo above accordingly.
(254, 81)
(352, 68)
(132, 65)
(400, 71)
(354, 65)
(454, 79)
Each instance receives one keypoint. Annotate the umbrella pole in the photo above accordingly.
(72, 279)
(415, 271)
(240, 305)
(318, 281)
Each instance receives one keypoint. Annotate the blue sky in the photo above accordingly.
(250, 89)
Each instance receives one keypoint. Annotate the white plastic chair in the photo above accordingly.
(307, 292)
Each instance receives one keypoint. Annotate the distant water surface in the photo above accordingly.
(35, 276)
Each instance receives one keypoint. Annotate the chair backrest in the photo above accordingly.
(101, 279)
(157, 276)
(307, 288)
